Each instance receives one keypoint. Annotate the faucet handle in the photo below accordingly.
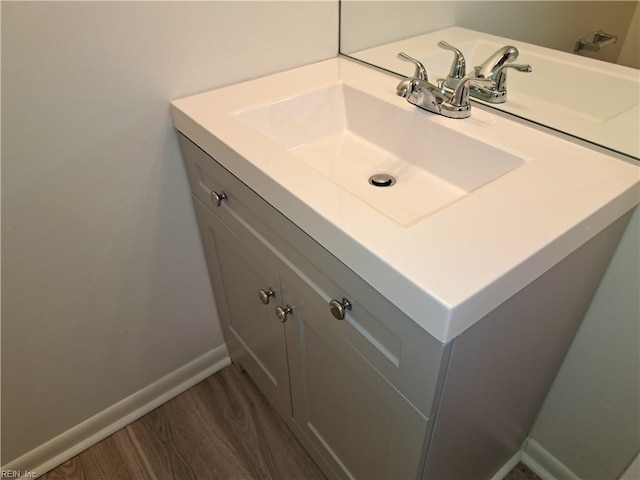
(458, 67)
(460, 96)
(458, 105)
(420, 72)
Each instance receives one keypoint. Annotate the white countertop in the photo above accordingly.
(451, 268)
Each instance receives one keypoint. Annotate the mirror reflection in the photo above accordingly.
(584, 56)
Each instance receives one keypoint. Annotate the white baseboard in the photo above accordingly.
(543, 464)
(507, 467)
(77, 439)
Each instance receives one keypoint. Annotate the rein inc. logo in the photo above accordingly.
(17, 474)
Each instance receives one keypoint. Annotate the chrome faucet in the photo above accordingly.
(458, 68)
(452, 103)
(495, 68)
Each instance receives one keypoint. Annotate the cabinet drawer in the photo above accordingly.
(407, 356)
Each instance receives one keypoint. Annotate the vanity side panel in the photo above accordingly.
(502, 367)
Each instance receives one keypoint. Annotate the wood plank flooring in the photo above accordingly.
(222, 428)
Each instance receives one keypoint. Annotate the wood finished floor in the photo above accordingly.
(221, 429)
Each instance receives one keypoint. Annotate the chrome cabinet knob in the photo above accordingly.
(339, 309)
(282, 313)
(266, 295)
(217, 198)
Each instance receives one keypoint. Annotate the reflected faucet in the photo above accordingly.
(451, 103)
(495, 68)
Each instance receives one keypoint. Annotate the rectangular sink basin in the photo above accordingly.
(350, 136)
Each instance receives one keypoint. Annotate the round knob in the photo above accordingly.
(217, 198)
(282, 313)
(265, 296)
(338, 309)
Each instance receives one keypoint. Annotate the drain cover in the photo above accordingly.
(382, 180)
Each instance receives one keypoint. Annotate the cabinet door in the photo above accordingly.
(254, 335)
(359, 422)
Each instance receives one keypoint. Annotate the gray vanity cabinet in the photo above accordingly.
(359, 424)
(347, 387)
(372, 395)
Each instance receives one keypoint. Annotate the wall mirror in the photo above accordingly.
(592, 94)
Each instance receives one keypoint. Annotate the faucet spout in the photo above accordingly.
(496, 61)
(426, 95)
(495, 68)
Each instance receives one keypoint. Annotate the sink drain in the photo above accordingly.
(382, 180)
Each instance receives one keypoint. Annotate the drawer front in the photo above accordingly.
(205, 175)
(407, 356)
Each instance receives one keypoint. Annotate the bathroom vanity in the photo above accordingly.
(401, 331)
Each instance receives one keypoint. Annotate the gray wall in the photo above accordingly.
(105, 289)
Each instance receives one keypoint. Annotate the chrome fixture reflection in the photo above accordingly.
(600, 39)
(452, 103)
(494, 68)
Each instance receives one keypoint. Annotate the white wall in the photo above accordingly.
(105, 289)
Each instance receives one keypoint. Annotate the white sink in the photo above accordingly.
(348, 136)
(482, 206)
(587, 98)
